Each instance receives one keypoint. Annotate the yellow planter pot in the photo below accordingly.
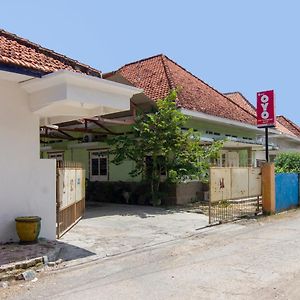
(28, 228)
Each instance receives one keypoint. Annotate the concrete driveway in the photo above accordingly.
(112, 229)
(253, 259)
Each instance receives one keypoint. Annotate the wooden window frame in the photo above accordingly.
(100, 178)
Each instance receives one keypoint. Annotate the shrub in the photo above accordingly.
(287, 163)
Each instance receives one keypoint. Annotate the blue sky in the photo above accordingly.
(245, 46)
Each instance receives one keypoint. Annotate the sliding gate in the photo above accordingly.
(70, 195)
(234, 193)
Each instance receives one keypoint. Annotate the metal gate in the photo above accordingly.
(70, 195)
(234, 193)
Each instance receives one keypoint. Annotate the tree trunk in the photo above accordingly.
(155, 182)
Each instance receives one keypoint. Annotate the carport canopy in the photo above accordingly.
(64, 95)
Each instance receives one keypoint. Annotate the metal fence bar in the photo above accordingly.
(226, 211)
(230, 197)
(69, 165)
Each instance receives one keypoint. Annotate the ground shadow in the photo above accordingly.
(101, 209)
(11, 253)
(70, 252)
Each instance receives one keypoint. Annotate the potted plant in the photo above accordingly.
(28, 228)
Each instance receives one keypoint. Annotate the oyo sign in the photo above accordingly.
(265, 109)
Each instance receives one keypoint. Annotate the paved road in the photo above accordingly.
(248, 260)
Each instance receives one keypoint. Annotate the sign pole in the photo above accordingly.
(265, 114)
(267, 144)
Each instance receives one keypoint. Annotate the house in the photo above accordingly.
(40, 87)
(229, 117)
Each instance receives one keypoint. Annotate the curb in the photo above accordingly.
(12, 271)
(18, 270)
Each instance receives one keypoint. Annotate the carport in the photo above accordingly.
(40, 88)
(111, 229)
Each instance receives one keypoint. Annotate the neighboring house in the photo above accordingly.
(287, 138)
(292, 128)
(216, 116)
(40, 87)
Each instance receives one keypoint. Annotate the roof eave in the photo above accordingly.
(216, 119)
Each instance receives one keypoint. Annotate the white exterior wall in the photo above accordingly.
(284, 145)
(287, 146)
(28, 184)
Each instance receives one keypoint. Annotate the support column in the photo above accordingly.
(268, 188)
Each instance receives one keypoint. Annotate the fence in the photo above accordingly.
(229, 210)
(234, 193)
(286, 191)
(237, 192)
(70, 195)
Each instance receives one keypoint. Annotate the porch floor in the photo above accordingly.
(111, 229)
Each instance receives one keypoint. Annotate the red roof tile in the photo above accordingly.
(291, 126)
(157, 75)
(283, 128)
(239, 99)
(17, 51)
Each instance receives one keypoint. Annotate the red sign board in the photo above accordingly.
(265, 109)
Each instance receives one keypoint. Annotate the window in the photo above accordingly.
(98, 166)
(95, 167)
(247, 138)
(59, 156)
(103, 166)
(213, 133)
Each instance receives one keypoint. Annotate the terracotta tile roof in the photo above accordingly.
(17, 51)
(157, 75)
(291, 126)
(282, 128)
(241, 100)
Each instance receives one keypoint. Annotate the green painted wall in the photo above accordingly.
(79, 155)
(121, 172)
(116, 172)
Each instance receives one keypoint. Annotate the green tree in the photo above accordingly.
(159, 136)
